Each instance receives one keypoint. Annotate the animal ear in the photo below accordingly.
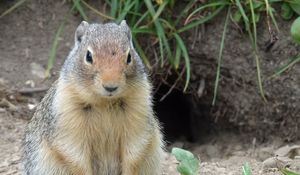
(126, 28)
(80, 31)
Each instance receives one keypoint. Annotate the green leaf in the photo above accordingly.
(286, 11)
(295, 6)
(186, 60)
(257, 4)
(182, 154)
(237, 16)
(188, 167)
(188, 164)
(295, 30)
(286, 171)
(247, 169)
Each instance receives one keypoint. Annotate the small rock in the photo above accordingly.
(265, 153)
(7, 104)
(38, 70)
(212, 151)
(276, 162)
(177, 144)
(288, 151)
(295, 165)
(30, 83)
(2, 110)
(31, 106)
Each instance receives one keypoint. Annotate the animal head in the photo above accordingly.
(103, 61)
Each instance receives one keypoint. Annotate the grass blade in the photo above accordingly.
(220, 57)
(257, 60)
(160, 31)
(125, 11)
(205, 6)
(270, 12)
(186, 60)
(52, 54)
(141, 52)
(161, 50)
(143, 30)
(12, 8)
(141, 19)
(200, 21)
(253, 25)
(55, 43)
(177, 56)
(245, 17)
(114, 8)
(96, 11)
(286, 171)
(247, 169)
(184, 11)
(283, 68)
(167, 24)
(136, 10)
(159, 10)
(80, 10)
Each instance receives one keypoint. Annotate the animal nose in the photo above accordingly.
(110, 88)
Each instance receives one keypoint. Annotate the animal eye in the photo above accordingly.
(128, 58)
(89, 57)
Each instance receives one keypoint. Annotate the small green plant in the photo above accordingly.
(295, 30)
(163, 26)
(286, 171)
(247, 169)
(249, 12)
(188, 163)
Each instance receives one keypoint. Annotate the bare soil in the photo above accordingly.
(244, 129)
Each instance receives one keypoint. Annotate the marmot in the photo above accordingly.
(97, 118)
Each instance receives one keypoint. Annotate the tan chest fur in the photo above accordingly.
(94, 136)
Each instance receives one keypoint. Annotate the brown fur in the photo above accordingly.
(84, 131)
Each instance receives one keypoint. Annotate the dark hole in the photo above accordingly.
(181, 117)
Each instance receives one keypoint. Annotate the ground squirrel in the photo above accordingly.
(97, 118)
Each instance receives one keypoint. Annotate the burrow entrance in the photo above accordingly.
(181, 117)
